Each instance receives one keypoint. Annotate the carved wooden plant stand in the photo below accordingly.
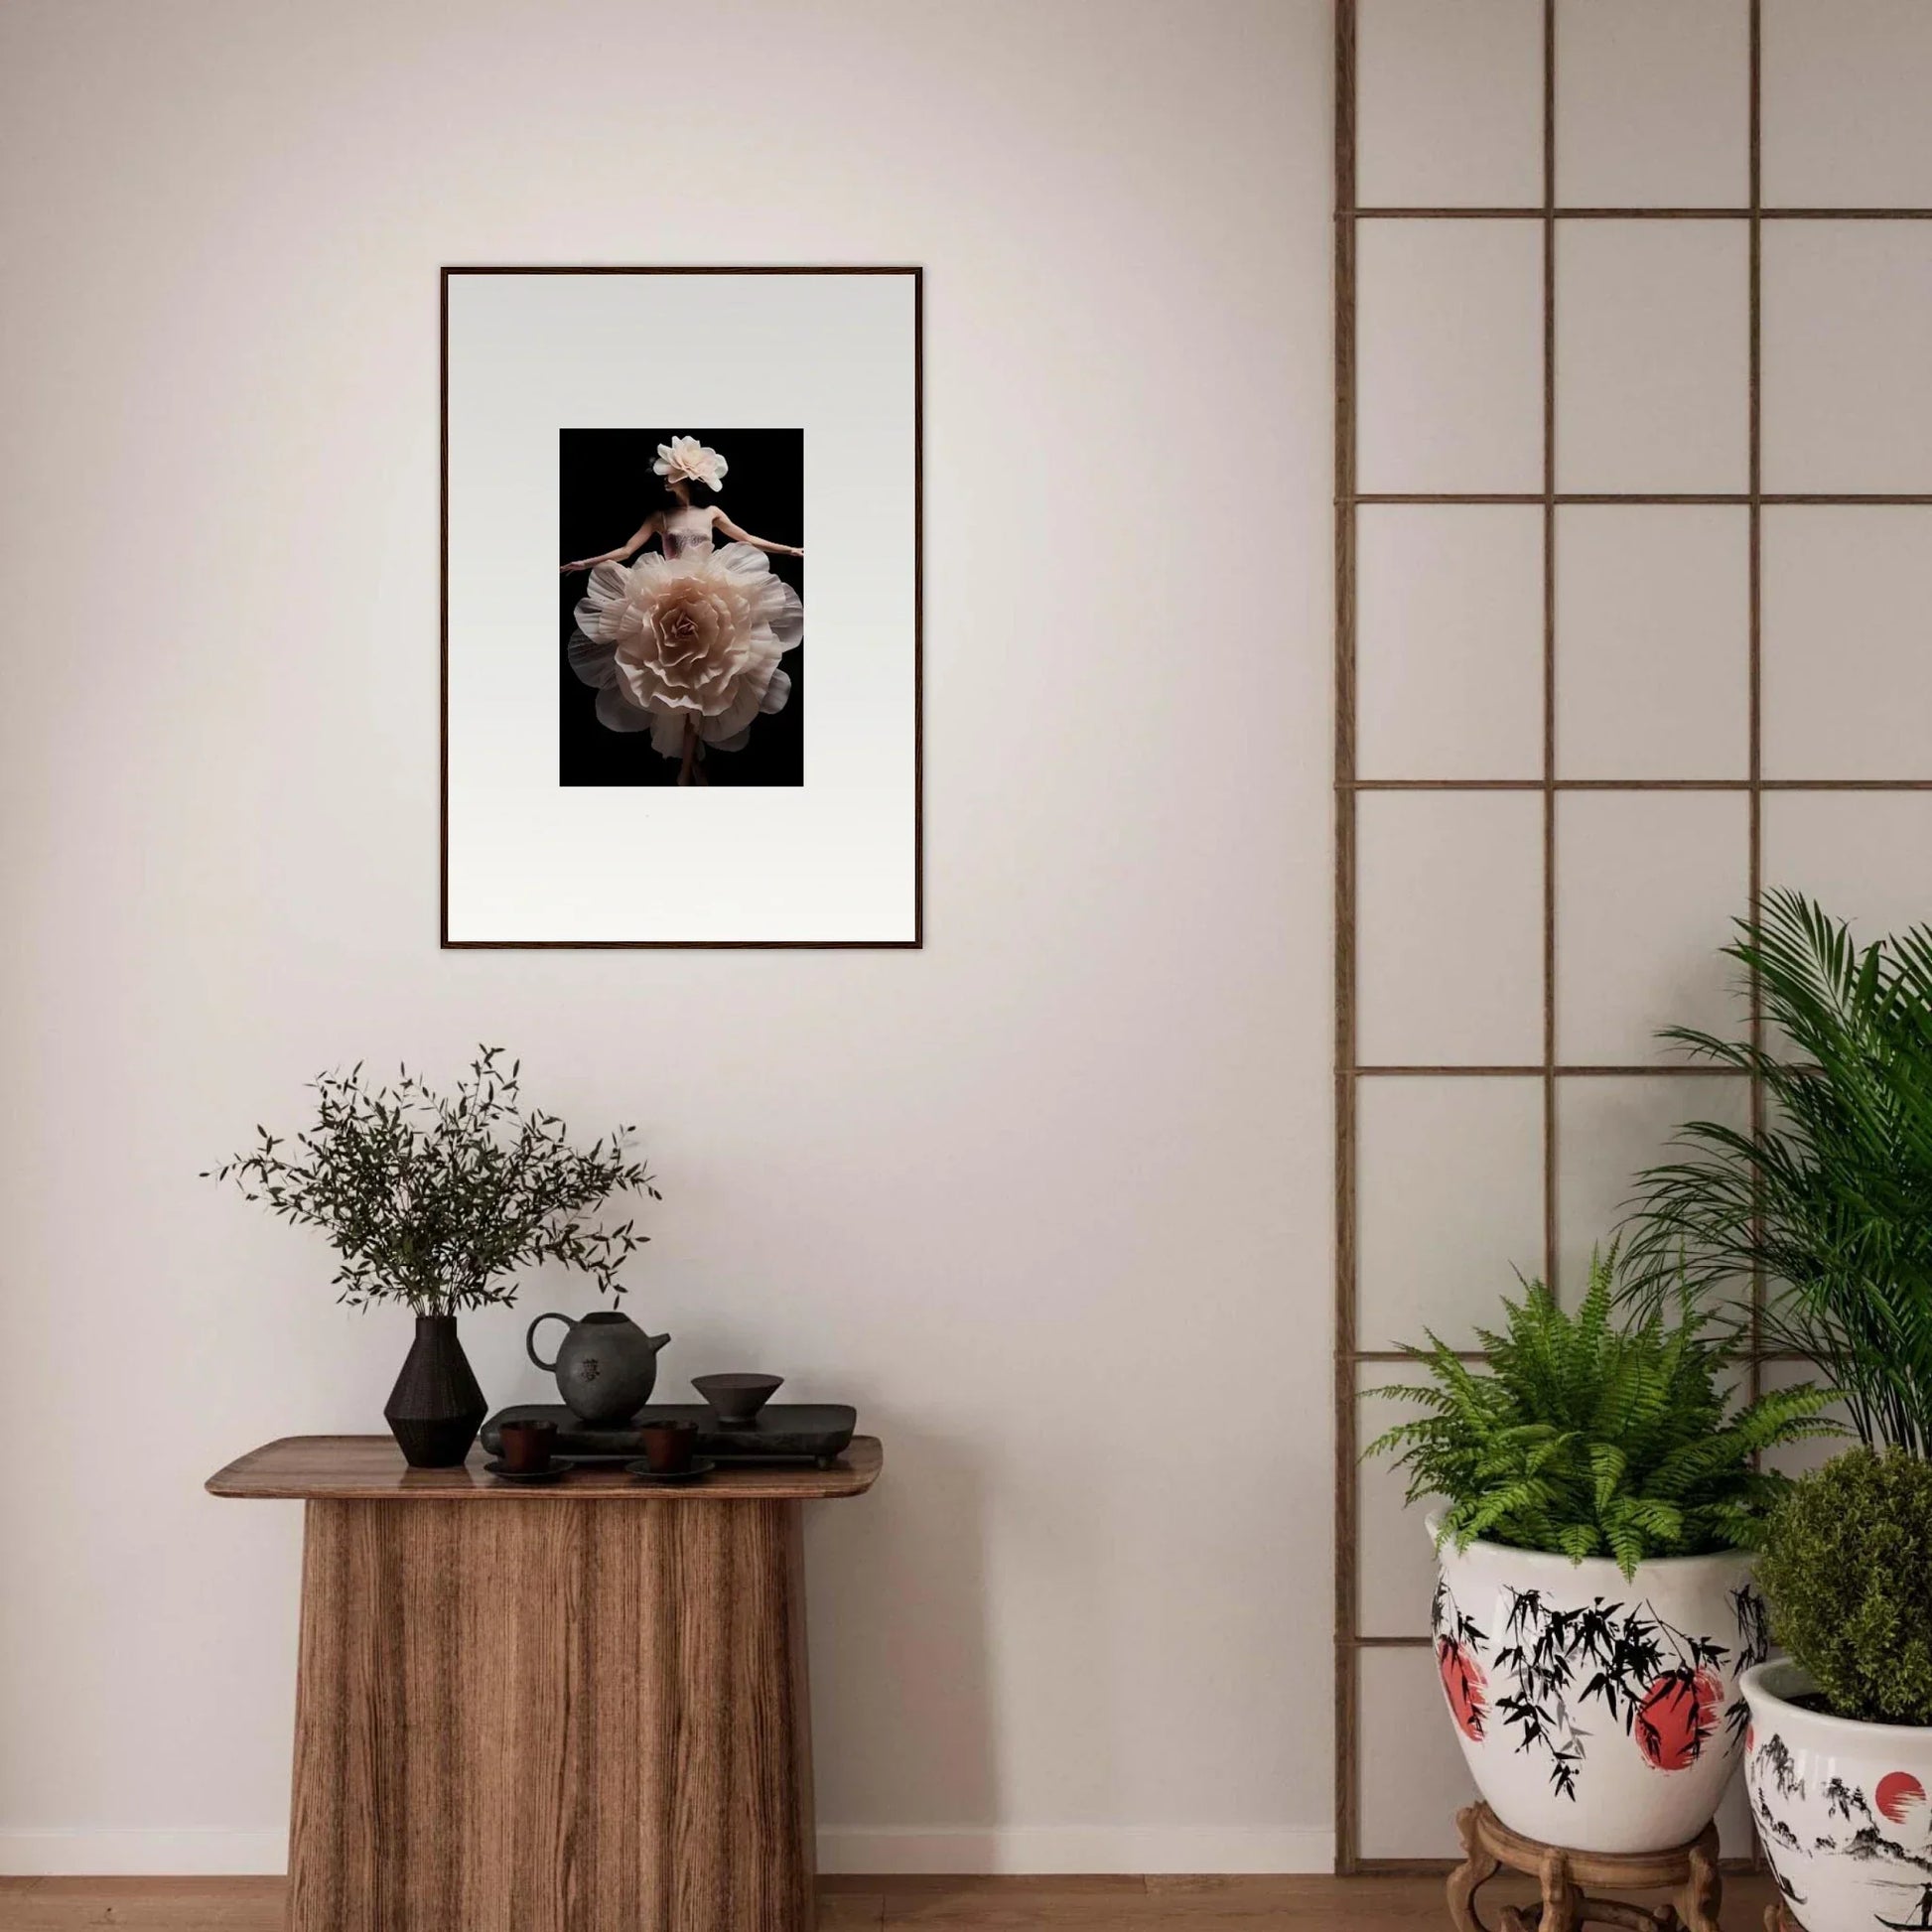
(1490, 1846)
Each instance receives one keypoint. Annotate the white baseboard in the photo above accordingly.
(142, 1853)
(889, 1850)
(1038, 1850)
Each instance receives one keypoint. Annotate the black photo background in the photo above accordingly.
(606, 490)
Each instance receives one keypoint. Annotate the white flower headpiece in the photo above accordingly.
(685, 460)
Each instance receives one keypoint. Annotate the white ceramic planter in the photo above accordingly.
(1597, 1713)
(1842, 1809)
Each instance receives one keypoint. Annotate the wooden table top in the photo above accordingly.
(371, 1468)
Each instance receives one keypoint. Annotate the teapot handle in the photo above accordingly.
(531, 1340)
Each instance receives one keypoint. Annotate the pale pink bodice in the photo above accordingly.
(686, 529)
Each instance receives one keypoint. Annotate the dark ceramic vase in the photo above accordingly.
(436, 1407)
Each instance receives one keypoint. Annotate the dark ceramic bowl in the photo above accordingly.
(737, 1399)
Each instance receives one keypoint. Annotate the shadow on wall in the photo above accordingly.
(902, 1702)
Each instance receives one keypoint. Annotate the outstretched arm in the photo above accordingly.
(638, 538)
(732, 530)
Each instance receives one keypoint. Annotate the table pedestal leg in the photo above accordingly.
(552, 1716)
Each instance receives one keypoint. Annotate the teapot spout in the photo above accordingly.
(656, 1343)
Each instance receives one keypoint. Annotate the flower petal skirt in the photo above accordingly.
(694, 639)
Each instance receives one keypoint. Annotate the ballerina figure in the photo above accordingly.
(685, 644)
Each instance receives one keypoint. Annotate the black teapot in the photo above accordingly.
(606, 1368)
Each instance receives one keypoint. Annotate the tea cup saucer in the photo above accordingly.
(557, 1466)
(701, 1466)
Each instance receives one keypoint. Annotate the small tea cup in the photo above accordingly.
(668, 1446)
(526, 1447)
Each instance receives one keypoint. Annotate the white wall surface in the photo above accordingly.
(1062, 1174)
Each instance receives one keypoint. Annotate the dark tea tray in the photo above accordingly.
(782, 1432)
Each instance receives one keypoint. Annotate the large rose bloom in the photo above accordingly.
(692, 637)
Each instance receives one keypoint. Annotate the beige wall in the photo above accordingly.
(1061, 1175)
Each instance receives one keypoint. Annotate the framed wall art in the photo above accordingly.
(682, 578)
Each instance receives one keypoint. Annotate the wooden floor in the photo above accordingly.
(1375, 1904)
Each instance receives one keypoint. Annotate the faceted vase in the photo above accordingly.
(436, 1407)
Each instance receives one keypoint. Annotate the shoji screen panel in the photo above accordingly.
(1633, 620)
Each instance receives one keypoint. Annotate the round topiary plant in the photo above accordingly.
(1846, 1566)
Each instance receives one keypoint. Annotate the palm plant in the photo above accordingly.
(1589, 1437)
(1829, 1201)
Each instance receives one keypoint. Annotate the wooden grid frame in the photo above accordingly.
(1351, 1642)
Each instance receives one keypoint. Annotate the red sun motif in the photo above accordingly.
(1466, 1685)
(1675, 1716)
(1898, 1793)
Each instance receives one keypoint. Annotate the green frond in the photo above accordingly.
(1602, 1431)
(1606, 1465)
(1829, 1201)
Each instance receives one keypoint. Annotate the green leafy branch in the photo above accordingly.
(438, 1199)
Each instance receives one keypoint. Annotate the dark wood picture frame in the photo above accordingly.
(918, 273)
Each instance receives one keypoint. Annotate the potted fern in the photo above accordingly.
(1598, 1502)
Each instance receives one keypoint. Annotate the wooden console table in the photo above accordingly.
(579, 1708)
